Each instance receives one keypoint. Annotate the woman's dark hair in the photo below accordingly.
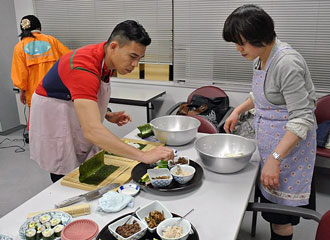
(129, 30)
(28, 24)
(250, 22)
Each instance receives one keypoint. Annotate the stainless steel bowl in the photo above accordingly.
(175, 130)
(225, 153)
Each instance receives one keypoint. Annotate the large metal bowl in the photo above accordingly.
(224, 153)
(175, 130)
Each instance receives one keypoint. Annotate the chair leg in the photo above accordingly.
(254, 213)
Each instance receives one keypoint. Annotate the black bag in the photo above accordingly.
(212, 109)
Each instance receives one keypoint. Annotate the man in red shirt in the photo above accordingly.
(69, 105)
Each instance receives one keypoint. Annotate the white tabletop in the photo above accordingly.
(219, 202)
(138, 94)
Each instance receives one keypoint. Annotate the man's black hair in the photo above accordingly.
(127, 31)
(34, 25)
(250, 22)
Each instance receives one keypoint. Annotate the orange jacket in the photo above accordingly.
(32, 58)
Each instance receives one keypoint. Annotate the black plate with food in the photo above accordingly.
(105, 234)
(141, 169)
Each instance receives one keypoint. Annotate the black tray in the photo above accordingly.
(105, 234)
(141, 169)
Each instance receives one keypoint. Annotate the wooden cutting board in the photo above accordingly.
(121, 175)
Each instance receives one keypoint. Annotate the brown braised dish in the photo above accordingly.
(182, 160)
(154, 218)
(127, 229)
(161, 177)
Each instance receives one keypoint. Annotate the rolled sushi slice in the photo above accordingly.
(48, 234)
(47, 225)
(44, 218)
(40, 229)
(55, 221)
(30, 234)
(58, 229)
(32, 224)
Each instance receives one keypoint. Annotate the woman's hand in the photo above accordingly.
(270, 173)
(158, 153)
(119, 118)
(231, 122)
(22, 96)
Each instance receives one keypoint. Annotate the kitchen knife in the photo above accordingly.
(87, 196)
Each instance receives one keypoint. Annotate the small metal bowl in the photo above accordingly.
(225, 153)
(175, 130)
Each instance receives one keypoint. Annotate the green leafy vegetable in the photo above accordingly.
(94, 170)
(145, 131)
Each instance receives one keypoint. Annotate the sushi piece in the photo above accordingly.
(58, 229)
(30, 234)
(48, 234)
(40, 229)
(55, 221)
(44, 218)
(32, 224)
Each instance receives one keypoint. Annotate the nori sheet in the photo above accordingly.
(94, 170)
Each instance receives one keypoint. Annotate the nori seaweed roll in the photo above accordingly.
(30, 234)
(48, 234)
(44, 218)
(40, 229)
(58, 229)
(55, 221)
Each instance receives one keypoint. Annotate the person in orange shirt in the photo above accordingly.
(33, 56)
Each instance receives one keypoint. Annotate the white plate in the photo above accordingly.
(65, 218)
(129, 189)
(5, 237)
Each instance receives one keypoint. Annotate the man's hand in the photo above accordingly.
(22, 96)
(119, 118)
(270, 173)
(158, 153)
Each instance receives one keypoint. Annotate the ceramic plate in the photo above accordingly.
(141, 169)
(106, 235)
(129, 189)
(65, 217)
(5, 237)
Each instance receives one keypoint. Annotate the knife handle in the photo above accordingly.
(69, 201)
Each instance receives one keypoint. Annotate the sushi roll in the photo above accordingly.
(30, 234)
(55, 221)
(47, 225)
(48, 234)
(40, 229)
(32, 224)
(44, 218)
(58, 229)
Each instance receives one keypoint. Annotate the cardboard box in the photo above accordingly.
(157, 72)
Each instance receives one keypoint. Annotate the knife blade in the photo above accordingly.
(89, 196)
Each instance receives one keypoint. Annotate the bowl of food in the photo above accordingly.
(134, 229)
(169, 229)
(225, 153)
(153, 214)
(160, 177)
(180, 160)
(175, 130)
(182, 173)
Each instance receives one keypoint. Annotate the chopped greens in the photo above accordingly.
(94, 170)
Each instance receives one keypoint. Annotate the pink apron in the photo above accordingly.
(61, 147)
(296, 169)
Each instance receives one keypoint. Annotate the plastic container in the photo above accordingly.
(82, 229)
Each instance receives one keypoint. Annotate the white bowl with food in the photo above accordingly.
(181, 160)
(169, 230)
(183, 173)
(153, 214)
(123, 231)
(160, 177)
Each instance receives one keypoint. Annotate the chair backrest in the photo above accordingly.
(207, 91)
(323, 230)
(206, 126)
(322, 111)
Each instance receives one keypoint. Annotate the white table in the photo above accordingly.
(219, 202)
(136, 97)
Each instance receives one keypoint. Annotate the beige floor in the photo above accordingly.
(21, 179)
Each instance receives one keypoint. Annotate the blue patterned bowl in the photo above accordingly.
(181, 178)
(154, 175)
